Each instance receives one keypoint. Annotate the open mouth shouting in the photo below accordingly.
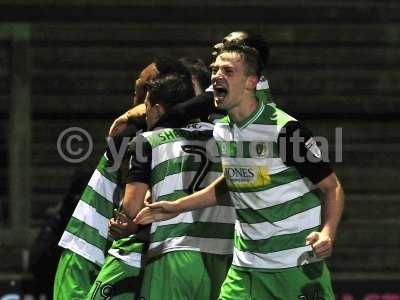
(220, 92)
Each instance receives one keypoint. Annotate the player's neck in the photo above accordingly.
(242, 111)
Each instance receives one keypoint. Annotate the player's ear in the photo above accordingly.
(160, 110)
(251, 82)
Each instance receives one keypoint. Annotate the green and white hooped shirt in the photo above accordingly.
(276, 207)
(179, 166)
(87, 231)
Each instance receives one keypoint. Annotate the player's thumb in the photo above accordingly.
(312, 238)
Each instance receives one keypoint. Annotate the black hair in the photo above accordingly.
(170, 71)
(169, 90)
(198, 69)
(168, 65)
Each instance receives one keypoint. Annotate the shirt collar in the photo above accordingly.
(250, 119)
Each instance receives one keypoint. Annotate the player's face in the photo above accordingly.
(229, 80)
(152, 115)
(140, 84)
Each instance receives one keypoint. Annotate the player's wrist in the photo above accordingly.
(329, 232)
(179, 205)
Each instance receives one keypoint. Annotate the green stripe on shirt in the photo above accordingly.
(98, 202)
(177, 165)
(199, 229)
(279, 212)
(87, 233)
(275, 243)
(103, 166)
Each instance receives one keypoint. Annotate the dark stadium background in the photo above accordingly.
(334, 64)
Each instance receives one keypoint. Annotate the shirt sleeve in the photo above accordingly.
(299, 148)
(139, 150)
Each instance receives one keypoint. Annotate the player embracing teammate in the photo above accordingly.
(272, 168)
(280, 241)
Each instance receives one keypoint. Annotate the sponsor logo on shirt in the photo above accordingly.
(246, 177)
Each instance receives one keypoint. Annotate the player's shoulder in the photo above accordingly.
(283, 117)
(191, 127)
(222, 121)
(197, 131)
(200, 126)
(273, 115)
(192, 131)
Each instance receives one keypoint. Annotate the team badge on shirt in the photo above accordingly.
(229, 149)
(246, 149)
(261, 149)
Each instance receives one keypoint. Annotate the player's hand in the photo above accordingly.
(321, 243)
(147, 198)
(119, 125)
(159, 211)
(121, 226)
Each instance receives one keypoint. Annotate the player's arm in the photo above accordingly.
(164, 210)
(198, 107)
(136, 113)
(322, 241)
(135, 190)
(122, 225)
(209, 196)
(300, 150)
(133, 201)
